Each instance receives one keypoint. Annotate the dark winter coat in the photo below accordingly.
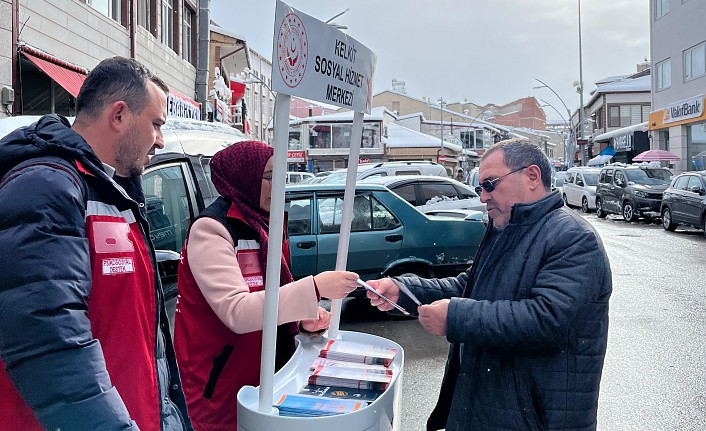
(528, 323)
(84, 336)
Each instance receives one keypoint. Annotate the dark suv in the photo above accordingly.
(631, 190)
(684, 202)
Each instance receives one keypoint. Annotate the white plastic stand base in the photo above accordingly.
(381, 415)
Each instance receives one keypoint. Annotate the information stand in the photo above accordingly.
(315, 61)
(380, 415)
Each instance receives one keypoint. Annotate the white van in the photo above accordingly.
(580, 187)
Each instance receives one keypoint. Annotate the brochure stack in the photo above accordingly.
(346, 377)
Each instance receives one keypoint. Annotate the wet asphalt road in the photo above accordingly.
(654, 377)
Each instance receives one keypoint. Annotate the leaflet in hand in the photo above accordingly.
(357, 352)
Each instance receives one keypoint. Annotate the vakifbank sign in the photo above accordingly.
(316, 61)
(692, 107)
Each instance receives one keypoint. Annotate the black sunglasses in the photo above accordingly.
(489, 185)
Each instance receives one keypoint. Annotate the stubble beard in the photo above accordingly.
(129, 161)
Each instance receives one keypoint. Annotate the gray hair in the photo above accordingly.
(519, 153)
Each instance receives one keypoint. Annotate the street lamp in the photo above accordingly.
(571, 148)
(333, 24)
(579, 89)
(566, 124)
(441, 110)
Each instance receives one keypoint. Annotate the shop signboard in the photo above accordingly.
(296, 156)
(179, 107)
(316, 61)
(692, 107)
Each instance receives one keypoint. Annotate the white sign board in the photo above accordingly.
(179, 107)
(692, 107)
(316, 61)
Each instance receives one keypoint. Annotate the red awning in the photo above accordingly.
(69, 76)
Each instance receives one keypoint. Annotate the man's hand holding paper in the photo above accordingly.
(386, 287)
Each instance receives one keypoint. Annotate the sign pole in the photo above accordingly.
(348, 198)
(274, 254)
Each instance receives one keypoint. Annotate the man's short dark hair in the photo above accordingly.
(518, 153)
(115, 79)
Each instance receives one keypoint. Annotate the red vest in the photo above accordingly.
(214, 362)
(122, 311)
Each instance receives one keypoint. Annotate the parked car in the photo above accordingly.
(298, 177)
(389, 169)
(579, 189)
(428, 192)
(388, 235)
(684, 202)
(558, 183)
(631, 190)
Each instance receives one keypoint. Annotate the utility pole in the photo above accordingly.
(441, 110)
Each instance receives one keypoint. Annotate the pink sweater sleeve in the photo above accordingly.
(215, 268)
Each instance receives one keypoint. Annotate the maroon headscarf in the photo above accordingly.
(236, 171)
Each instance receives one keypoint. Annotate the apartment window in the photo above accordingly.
(168, 23)
(661, 8)
(187, 49)
(144, 14)
(664, 74)
(627, 115)
(695, 62)
(109, 8)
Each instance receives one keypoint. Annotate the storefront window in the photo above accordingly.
(696, 144)
(338, 135)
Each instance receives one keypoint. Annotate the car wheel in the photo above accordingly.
(599, 209)
(629, 212)
(703, 224)
(584, 205)
(566, 202)
(667, 222)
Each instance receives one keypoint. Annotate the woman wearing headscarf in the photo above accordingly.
(219, 314)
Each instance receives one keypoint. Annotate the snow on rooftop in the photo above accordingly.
(400, 136)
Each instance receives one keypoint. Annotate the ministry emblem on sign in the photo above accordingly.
(292, 50)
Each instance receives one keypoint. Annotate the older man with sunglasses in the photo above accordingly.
(528, 322)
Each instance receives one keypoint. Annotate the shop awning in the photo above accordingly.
(69, 76)
(608, 151)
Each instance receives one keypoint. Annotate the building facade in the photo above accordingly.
(677, 122)
(615, 106)
(51, 46)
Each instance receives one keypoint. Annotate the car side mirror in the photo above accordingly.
(699, 190)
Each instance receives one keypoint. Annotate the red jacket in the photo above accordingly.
(80, 332)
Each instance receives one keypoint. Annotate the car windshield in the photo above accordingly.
(590, 179)
(649, 176)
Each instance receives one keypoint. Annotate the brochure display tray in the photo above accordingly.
(380, 415)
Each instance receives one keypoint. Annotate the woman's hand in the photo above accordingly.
(319, 324)
(335, 284)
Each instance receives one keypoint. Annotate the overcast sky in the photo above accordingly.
(485, 51)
